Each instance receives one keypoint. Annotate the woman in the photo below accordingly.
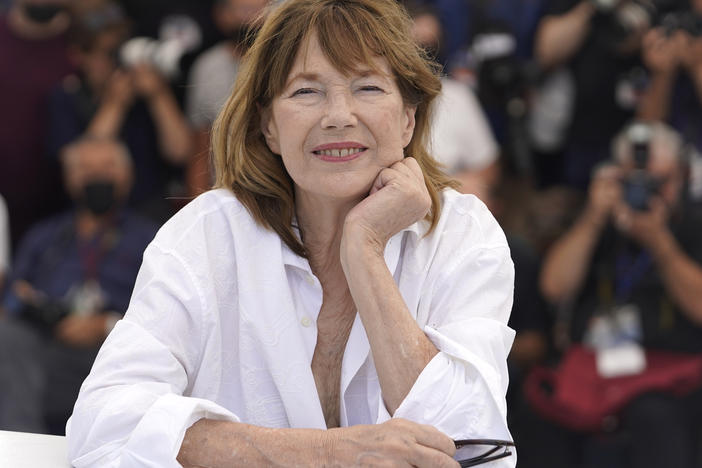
(332, 281)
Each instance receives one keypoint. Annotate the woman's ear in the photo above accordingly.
(269, 130)
(409, 124)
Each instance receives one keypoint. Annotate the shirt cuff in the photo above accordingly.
(156, 440)
(461, 391)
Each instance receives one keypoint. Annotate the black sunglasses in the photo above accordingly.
(496, 449)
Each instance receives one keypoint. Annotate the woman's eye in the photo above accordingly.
(370, 88)
(303, 91)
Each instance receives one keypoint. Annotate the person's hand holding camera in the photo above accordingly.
(119, 91)
(604, 194)
(148, 82)
(646, 228)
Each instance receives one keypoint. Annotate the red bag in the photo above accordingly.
(580, 399)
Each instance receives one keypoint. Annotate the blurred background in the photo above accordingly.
(577, 122)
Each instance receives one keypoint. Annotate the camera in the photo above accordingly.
(45, 314)
(504, 80)
(179, 35)
(618, 20)
(639, 186)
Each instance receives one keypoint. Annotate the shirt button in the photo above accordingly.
(306, 322)
(310, 279)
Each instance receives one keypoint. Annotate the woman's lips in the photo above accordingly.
(339, 151)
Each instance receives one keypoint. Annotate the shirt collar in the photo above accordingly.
(392, 249)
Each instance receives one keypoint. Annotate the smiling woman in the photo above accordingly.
(336, 132)
(352, 38)
(333, 301)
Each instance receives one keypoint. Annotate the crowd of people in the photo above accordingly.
(578, 123)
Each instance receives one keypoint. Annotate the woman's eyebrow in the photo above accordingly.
(306, 76)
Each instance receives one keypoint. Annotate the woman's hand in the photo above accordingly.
(397, 442)
(398, 198)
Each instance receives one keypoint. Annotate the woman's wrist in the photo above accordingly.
(357, 239)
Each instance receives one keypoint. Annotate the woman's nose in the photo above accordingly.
(339, 111)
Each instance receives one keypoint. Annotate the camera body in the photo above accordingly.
(45, 314)
(617, 21)
(178, 35)
(639, 186)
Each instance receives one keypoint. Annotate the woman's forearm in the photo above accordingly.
(400, 348)
(210, 443)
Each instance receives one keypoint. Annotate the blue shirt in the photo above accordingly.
(53, 260)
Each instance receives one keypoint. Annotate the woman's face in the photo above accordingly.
(334, 132)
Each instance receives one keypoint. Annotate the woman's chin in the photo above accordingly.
(342, 190)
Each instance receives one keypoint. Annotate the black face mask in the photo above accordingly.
(98, 197)
(42, 14)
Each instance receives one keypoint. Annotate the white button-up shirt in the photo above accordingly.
(222, 324)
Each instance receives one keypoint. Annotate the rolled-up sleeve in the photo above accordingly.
(462, 389)
(132, 409)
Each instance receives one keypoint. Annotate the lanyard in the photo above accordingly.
(629, 270)
(92, 252)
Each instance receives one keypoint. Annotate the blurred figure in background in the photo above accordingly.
(630, 269)
(461, 138)
(211, 79)
(672, 53)
(107, 99)
(71, 281)
(598, 42)
(32, 60)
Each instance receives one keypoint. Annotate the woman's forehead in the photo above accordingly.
(311, 58)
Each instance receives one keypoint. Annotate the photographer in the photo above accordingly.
(134, 103)
(599, 46)
(634, 257)
(672, 53)
(71, 280)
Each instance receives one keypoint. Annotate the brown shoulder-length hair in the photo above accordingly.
(351, 32)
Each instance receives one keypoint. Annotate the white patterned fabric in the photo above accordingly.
(222, 324)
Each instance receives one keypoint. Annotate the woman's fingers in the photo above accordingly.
(426, 457)
(397, 443)
(429, 436)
